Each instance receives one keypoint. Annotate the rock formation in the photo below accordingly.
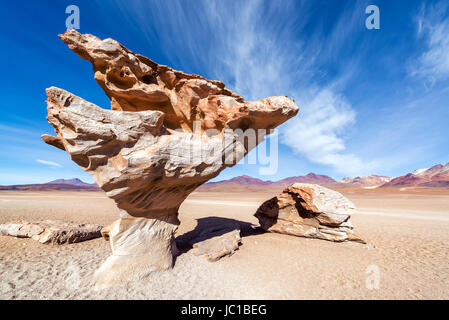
(309, 210)
(215, 243)
(52, 231)
(167, 133)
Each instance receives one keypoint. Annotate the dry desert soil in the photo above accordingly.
(407, 236)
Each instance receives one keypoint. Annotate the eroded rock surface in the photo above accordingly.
(135, 83)
(309, 210)
(215, 243)
(52, 231)
(167, 133)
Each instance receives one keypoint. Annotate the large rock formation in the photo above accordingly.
(52, 231)
(309, 210)
(167, 133)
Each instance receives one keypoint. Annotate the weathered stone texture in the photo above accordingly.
(309, 210)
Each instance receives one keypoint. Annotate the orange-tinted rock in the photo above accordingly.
(309, 210)
(152, 149)
(135, 83)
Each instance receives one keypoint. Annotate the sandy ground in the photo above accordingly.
(407, 235)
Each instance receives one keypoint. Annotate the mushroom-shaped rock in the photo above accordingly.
(309, 210)
(167, 133)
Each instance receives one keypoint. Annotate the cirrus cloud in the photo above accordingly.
(49, 163)
(317, 132)
(433, 29)
(258, 54)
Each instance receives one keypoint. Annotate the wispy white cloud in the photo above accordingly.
(433, 30)
(48, 163)
(318, 133)
(272, 61)
(255, 48)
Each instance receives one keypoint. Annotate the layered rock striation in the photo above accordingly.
(168, 132)
(311, 211)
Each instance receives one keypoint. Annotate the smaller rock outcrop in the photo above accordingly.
(52, 231)
(309, 210)
(215, 243)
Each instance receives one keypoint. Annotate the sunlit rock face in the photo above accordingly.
(311, 211)
(167, 133)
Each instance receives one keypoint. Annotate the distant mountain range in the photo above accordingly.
(368, 182)
(434, 177)
(74, 181)
(59, 184)
(244, 182)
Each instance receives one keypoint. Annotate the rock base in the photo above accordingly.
(139, 246)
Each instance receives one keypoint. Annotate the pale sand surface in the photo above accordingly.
(408, 237)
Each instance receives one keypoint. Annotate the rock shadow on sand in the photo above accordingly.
(211, 227)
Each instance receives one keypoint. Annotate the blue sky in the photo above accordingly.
(371, 101)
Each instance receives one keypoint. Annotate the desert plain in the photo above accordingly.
(407, 235)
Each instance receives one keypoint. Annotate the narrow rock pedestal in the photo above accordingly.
(139, 246)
